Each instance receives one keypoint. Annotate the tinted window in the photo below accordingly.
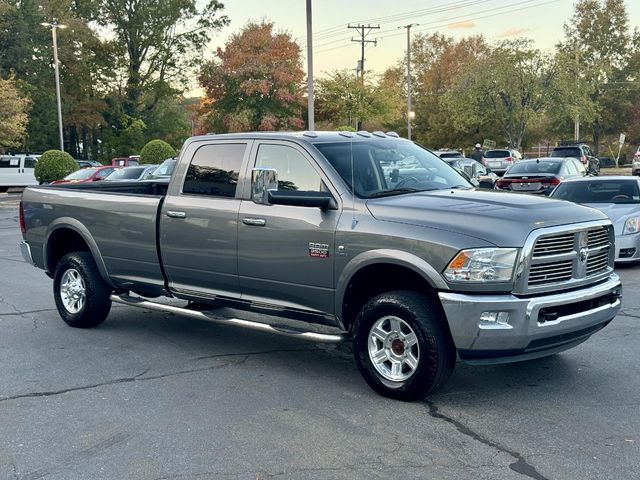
(30, 162)
(497, 154)
(129, 173)
(103, 173)
(294, 170)
(521, 168)
(599, 191)
(9, 162)
(567, 152)
(214, 170)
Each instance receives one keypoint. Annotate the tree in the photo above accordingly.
(512, 93)
(162, 41)
(13, 115)
(256, 82)
(54, 165)
(598, 38)
(156, 151)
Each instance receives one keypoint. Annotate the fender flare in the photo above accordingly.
(80, 229)
(388, 256)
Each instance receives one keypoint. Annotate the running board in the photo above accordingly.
(202, 315)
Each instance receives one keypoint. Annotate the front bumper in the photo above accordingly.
(26, 253)
(628, 248)
(537, 326)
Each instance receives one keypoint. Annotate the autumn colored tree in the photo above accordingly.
(255, 82)
(13, 115)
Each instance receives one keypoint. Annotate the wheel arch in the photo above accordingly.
(376, 271)
(66, 235)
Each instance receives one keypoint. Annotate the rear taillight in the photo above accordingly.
(23, 227)
(550, 182)
(508, 160)
(503, 183)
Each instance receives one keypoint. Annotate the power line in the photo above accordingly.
(363, 40)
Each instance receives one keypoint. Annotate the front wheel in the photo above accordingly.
(82, 297)
(402, 346)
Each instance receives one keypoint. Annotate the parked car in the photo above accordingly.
(125, 161)
(540, 176)
(85, 175)
(448, 154)
(484, 177)
(500, 159)
(16, 170)
(88, 163)
(619, 199)
(582, 152)
(164, 170)
(130, 174)
(635, 166)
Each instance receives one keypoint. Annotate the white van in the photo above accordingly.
(17, 170)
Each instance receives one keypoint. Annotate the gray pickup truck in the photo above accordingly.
(367, 234)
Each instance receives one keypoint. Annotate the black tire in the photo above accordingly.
(97, 302)
(437, 354)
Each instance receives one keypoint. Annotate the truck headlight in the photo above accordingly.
(482, 265)
(632, 225)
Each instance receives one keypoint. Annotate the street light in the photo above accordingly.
(54, 26)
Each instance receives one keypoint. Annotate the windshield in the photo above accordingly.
(81, 174)
(497, 154)
(547, 167)
(388, 167)
(599, 191)
(165, 169)
(128, 173)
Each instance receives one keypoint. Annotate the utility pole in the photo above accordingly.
(54, 26)
(363, 30)
(576, 124)
(310, 100)
(408, 27)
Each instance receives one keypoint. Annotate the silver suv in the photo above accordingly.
(499, 160)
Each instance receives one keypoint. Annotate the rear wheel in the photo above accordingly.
(82, 297)
(402, 346)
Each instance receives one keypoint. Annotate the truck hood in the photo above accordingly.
(503, 219)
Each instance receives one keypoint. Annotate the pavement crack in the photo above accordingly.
(520, 466)
(15, 314)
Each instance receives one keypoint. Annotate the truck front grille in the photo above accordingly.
(575, 257)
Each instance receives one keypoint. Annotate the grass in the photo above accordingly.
(615, 171)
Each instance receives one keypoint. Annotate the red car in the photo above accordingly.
(85, 175)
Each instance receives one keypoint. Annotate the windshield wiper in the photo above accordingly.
(458, 187)
(397, 191)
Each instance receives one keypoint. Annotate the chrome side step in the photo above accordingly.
(203, 315)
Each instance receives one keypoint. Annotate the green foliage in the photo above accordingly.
(54, 165)
(346, 128)
(156, 151)
(13, 115)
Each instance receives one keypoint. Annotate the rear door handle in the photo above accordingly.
(256, 222)
(176, 214)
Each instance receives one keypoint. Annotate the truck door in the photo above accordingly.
(198, 221)
(27, 171)
(285, 253)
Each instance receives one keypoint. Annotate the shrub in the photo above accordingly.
(54, 165)
(156, 151)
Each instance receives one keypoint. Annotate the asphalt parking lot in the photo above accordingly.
(154, 396)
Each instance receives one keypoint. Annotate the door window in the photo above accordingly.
(571, 168)
(214, 170)
(103, 173)
(294, 170)
(30, 162)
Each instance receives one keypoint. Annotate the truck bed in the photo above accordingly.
(117, 220)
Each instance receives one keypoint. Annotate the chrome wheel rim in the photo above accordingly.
(73, 292)
(393, 348)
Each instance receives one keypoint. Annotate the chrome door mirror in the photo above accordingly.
(263, 180)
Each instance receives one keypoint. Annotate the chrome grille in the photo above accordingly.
(550, 272)
(554, 245)
(576, 256)
(597, 263)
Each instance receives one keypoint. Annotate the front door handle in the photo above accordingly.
(176, 214)
(255, 222)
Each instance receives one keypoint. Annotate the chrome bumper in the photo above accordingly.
(534, 326)
(26, 253)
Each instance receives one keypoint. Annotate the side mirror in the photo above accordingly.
(263, 180)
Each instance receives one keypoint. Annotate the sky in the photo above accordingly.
(540, 20)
